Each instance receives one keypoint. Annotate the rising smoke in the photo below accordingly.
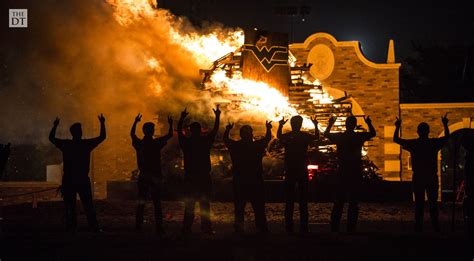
(75, 61)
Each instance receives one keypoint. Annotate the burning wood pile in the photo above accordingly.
(304, 97)
(255, 79)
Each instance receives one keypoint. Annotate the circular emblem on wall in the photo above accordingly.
(322, 58)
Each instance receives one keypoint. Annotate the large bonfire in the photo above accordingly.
(249, 99)
(257, 99)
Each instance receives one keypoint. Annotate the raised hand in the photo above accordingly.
(184, 113)
(268, 124)
(444, 119)
(217, 111)
(314, 120)
(368, 120)
(229, 126)
(138, 118)
(101, 118)
(282, 121)
(398, 123)
(170, 120)
(56, 121)
(332, 120)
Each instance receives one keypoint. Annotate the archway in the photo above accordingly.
(451, 159)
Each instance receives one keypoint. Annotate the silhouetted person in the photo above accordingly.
(149, 164)
(197, 166)
(247, 170)
(76, 162)
(4, 154)
(349, 155)
(296, 168)
(424, 158)
(467, 142)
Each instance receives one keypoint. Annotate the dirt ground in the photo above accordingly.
(385, 230)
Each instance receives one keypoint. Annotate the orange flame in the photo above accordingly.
(205, 48)
(257, 97)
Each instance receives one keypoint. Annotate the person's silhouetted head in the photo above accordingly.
(195, 128)
(423, 130)
(148, 129)
(351, 123)
(76, 130)
(296, 122)
(246, 132)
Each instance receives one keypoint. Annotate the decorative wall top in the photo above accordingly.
(323, 51)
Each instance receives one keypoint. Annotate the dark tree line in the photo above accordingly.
(437, 73)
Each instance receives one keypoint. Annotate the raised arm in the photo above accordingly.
(372, 132)
(92, 143)
(217, 113)
(280, 127)
(169, 135)
(396, 133)
(52, 133)
(316, 130)
(327, 132)
(184, 114)
(134, 127)
(228, 141)
(102, 134)
(268, 133)
(445, 121)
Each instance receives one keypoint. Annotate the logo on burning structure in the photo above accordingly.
(268, 57)
(18, 18)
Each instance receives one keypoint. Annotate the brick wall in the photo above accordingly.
(374, 87)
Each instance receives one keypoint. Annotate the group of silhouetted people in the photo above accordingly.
(247, 170)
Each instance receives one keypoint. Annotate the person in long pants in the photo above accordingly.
(424, 158)
(349, 154)
(76, 161)
(296, 144)
(148, 152)
(197, 166)
(247, 170)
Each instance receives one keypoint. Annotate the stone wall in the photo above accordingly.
(374, 89)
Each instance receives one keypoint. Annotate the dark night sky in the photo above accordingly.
(372, 23)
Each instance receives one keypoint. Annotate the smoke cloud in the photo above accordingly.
(76, 61)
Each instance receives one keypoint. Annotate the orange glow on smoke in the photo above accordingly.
(204, 49)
